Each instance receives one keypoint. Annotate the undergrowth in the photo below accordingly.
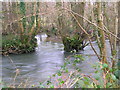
(15, 45)
(75, 79)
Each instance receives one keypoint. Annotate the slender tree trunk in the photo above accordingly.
(102, 35)
(102, 41)
(5, 15)
(118, 42)
(114, 40)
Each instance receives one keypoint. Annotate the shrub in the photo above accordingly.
(13, 44)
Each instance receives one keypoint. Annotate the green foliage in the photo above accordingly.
(48, 82)
(3, 85)
(73, 43)
(22, 8)
(104, 66)
(114, 52)
(79, 56)
(23, 13)
(53, 30)
(24, 23)
(51, 86)
(41, 86)
(59, 73)
(111, 77)
(88, 81)
(25, 41)
(13, 44)
(32, 21)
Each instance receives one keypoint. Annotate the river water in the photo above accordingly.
(46, 60)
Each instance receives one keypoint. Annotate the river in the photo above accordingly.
(46, 60)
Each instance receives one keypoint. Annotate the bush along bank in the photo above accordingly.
(13, 44)
(74, 43)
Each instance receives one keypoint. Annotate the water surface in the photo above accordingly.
(45, 61)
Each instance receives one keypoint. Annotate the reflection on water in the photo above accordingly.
(45, 61)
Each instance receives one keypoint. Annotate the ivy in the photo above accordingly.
(22, 8)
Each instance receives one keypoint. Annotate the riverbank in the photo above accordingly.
(54, 39)
(14, 44)
(48, 59)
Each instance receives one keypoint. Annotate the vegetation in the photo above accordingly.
(73, 43)
(76, 24)
(80, 80)
(12, 44)
(22, 41)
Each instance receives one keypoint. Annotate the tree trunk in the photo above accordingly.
(114, 40)
(118, 42)
(5, 20)
(102, 35)
(102, 43)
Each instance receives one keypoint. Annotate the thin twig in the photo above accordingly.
(106, 30)
(87, 35)
(17, 20)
